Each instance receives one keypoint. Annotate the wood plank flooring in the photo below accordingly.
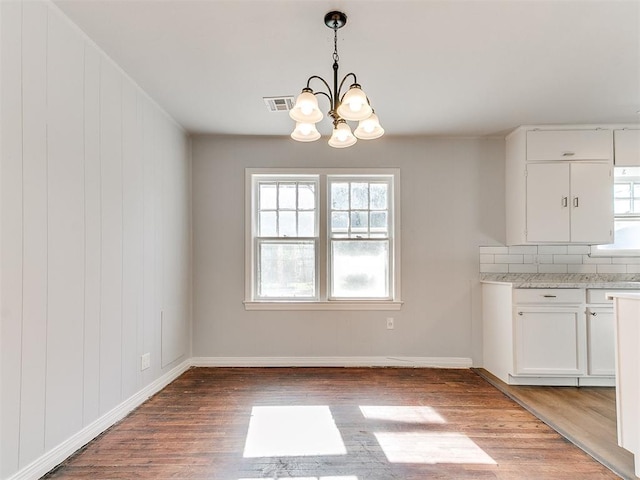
(585, 415)
(364, 424)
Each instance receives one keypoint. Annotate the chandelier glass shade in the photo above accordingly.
(353, 105)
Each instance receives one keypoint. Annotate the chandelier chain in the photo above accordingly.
(336, 57)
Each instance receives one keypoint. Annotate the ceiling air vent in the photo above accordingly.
(279, 104)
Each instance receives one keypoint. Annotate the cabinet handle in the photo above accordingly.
(568, 154)
(575, 202)
(594, 314)
(549, 296)
(521, 313)
(565, 201)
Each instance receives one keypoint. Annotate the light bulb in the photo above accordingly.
(306, 108)
(355, 106)
(305, 128)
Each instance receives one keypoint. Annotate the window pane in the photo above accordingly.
(360, 269)
(379, 222)
(622, 206)
(306, 224)
(359, 195)
(268, 224)
(306, 196)
(360, 222)
(636, 206)
(636, 190)
(622, 190)
(288, 224)
(287, 270)
(339, 222)
(627, 236)
(287, 195)
(378, 194)
(267, 196)
(340, 196)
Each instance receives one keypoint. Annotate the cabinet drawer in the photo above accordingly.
(597, 296)
(626, 145)
(569, 145)
(548, 296)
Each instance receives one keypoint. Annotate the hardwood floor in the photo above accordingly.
(585, 415)
(330, 424)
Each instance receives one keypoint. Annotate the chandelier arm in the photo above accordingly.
(328, 95)
(355, 80)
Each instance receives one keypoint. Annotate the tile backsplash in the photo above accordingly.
(552, 259)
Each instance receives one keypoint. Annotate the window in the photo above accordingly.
(626, 193)
(322, 239)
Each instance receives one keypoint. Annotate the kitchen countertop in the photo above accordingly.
(565, 280)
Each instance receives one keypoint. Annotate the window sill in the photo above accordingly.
(347, 305)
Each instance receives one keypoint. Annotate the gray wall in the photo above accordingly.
(95, 197)
(452, 202)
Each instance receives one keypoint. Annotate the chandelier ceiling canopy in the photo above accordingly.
(353, 105)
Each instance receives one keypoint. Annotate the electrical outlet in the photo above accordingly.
(389, 323)
(145, 361)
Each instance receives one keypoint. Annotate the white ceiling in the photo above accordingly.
(477, 67)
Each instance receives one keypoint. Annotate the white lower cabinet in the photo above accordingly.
(548, 336)
(550, 342)
(601, 342)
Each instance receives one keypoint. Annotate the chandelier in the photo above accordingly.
(353, 105)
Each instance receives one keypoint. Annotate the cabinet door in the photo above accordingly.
(591, 203)
(544, 145)
(626, 145)
(549, 342)
(548, 212)
(601, 343)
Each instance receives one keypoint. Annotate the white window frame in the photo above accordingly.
(323, 301)
(596, 251)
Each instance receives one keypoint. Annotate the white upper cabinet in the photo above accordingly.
(569, 202)
(591, 203)
(548, 212)
(559, 186)
(545, 145)
(626, 144)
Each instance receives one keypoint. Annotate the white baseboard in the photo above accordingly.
(415, 362)
(58, 454)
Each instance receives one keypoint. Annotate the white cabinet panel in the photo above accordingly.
(548, 213)
(65, 141)
(591, 203)
(569, 202)
(35, 210)
(601, 341)
(626, 144)
(549, 342)
(548, 296)
(545, 145)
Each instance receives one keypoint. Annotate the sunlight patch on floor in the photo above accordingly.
(431, 448)
(348, 477)
(404, 414)
(285, 431)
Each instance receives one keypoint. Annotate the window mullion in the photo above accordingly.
(323, 254)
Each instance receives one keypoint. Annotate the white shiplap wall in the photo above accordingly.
(95, 192)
